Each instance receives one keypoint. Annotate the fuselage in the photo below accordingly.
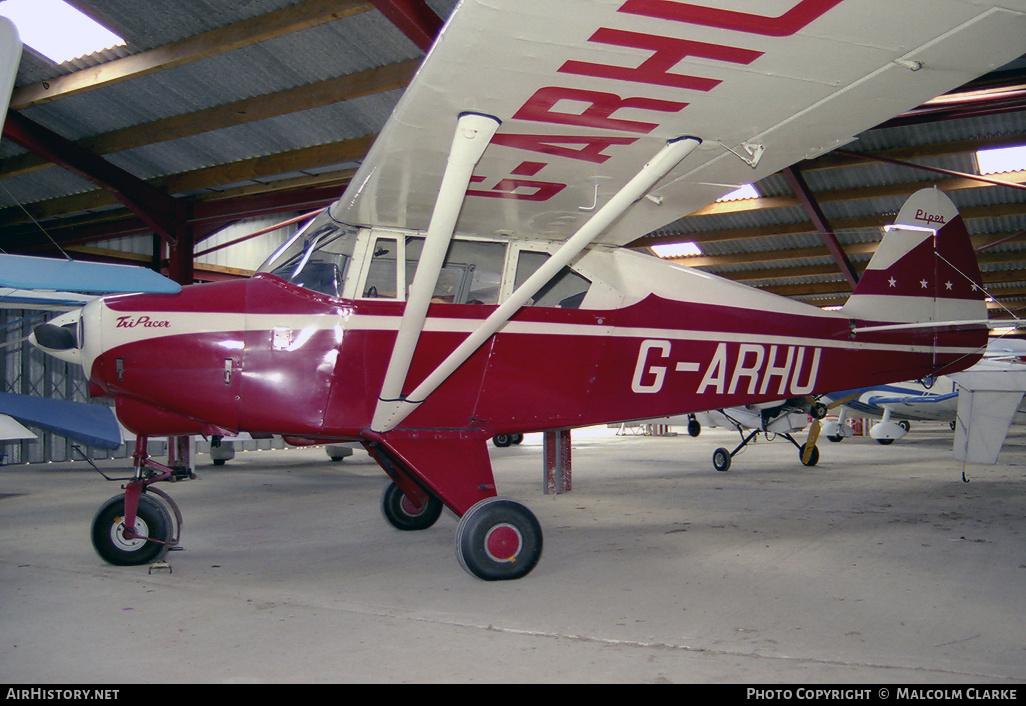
(646, 339)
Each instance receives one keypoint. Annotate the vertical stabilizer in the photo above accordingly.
(10, 57)
(924, 270)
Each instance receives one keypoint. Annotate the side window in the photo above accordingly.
(471, 273)
(566, 290)
(381, 277)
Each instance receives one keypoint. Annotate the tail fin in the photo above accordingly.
(924, 270)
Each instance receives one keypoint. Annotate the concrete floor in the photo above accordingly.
(879, 565)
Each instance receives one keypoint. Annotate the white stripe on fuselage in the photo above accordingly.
(141, 326)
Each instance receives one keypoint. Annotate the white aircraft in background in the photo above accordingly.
(980, 403)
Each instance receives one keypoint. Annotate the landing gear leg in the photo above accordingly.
(496, 538)
(141, 525)
(722, 457)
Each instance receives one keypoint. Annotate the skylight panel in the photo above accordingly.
(56, 30)
(1001, 160)
(745, 192)
(677, 250)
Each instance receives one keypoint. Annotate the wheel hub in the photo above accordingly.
(118, 538)
(503, 542)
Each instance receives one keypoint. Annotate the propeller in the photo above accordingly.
(818, 410)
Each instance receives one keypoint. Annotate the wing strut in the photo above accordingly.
(666, 159)
(473, 133)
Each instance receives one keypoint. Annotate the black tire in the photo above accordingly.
(518, 438)
(836, 439)
(152, 520)
(498, 540)
(694, 428)
(721, 459)
(813, 457)
(403, 515)
(502, 440)
(885, 442)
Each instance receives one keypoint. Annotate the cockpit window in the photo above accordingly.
(471, 274)
(565, 290)
(316, 258)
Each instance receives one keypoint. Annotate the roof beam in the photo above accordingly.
(315, 95)
(790, 229)
(201, 46)
(155, 207)
(818, 218)
(414, 18)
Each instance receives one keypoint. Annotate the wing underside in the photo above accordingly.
(587, 91)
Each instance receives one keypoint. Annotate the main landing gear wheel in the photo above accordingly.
(694, 428)
(108, 532)
(721, 459)
(498, 539)
(402, 514)
(504, 440)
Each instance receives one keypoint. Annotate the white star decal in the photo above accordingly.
(893, 282)
(923, 283)
(948, 285)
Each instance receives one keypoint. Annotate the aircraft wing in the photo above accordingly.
(989, 398)
(25, 272)
(587, 91)
(909, 400)
(91, 424)
(10, 57)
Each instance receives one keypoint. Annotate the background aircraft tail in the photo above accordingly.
(924, 270)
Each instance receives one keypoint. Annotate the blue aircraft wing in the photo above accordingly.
(25, 272)
(90, 424)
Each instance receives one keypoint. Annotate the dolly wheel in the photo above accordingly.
(498, 539)
(403, 514)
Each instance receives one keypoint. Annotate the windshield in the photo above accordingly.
(317, 257)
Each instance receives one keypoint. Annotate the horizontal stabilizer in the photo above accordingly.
(90, 424)
(26, 272)
(934, 326)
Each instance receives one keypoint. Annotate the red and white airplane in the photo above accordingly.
(470, 281)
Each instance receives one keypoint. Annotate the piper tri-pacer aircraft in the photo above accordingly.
(469, 282)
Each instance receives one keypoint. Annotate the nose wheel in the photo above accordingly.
(498, 539)
(151, 536)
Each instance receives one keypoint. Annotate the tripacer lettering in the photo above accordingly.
(144, 321)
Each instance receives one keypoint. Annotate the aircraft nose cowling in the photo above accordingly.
(60, 337)
(56, 338)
